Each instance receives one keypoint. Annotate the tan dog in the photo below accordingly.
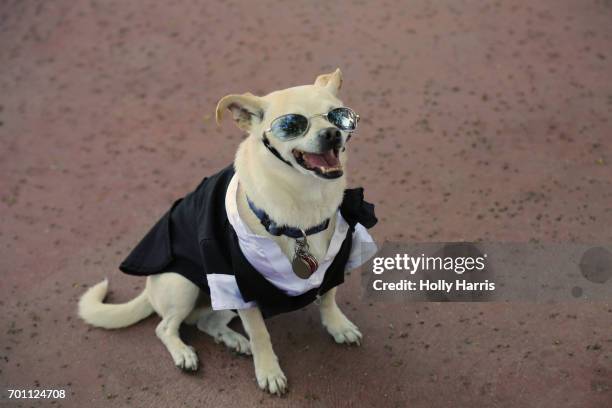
(303, 186)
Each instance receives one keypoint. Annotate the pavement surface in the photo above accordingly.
(481, 120)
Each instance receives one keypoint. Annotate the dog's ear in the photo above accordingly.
(246, 109)
(332, 82)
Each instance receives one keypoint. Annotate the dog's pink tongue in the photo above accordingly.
(327, 159)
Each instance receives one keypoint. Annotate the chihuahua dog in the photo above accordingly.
(271, 233)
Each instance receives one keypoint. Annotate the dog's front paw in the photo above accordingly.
(341, 328)
(185, 358)
(270, 377)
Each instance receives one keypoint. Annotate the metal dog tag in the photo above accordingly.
(304, 264)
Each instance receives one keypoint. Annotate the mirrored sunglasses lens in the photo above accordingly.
(343, 118)
(289, 126)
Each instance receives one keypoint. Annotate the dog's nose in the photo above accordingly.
(330, 136)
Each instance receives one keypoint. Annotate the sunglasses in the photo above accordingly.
(294, 125)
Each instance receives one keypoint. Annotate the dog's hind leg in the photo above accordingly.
(214, 323)
(173, 298)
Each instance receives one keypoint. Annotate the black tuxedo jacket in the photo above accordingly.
(195, 238)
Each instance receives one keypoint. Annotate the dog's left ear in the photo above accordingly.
(332, 82)
(246, 109)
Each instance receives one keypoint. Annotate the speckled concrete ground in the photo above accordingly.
(482, 120)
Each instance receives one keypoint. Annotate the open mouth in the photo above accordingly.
(325, 164)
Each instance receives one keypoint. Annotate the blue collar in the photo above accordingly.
(279, 230)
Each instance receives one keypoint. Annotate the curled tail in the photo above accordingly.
(108, 316)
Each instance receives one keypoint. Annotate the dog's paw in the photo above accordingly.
(346, 334)
(342, 329)
(271, 378)
(235, 341)
(185, 358)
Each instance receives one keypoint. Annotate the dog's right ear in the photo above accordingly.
(246, 109)
(332, 81)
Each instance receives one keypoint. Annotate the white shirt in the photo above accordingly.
(264, 254)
